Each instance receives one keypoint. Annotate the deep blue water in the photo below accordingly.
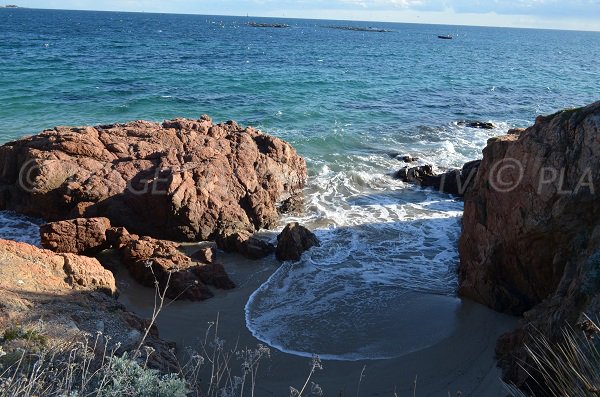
(345, 100)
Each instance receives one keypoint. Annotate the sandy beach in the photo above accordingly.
(463, 360)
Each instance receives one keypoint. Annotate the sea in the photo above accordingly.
(350, 101)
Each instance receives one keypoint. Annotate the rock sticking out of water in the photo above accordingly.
(455, 182)
(484, 125)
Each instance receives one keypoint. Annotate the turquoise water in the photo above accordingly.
(346, 100)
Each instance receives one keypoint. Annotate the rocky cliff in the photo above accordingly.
(531, 235)
(181, 179)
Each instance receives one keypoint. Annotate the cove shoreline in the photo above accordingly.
(462, 361)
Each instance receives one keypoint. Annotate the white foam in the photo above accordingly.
(20, 228)
(389, 251)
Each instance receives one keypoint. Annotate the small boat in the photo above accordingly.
(445, 37)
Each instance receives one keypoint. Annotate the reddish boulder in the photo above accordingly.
(293, 241)
(78, 236)
(178, 180)
(49, 272)
(152, 261)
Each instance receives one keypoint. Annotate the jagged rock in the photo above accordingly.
(178, 180)
(293, 241)
(243, 243)
(455, 182)
(69, 295)
(531, 231)
(78, 236)
(151, 261)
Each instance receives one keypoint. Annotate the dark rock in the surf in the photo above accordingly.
(417, 174)
(293, 241)
(245, 244)
(484, 125)
(85, 236)
(152, 261)
(177, 180)
(214, 274)
(408, 158)
(204, 255)
(455, 182)
(531, 236)
(293, 205)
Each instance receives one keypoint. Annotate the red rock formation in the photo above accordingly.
(180, 180)
(150, 260)
(532, 228)
(78, 236)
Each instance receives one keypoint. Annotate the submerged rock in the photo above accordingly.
(531, 231)
(293, 241)
(177, 180)
(85, 236)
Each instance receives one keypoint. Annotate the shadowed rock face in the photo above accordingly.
(182, 179)
(293, 241)
(532, 229)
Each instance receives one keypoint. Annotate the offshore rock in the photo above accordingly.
(177, 180)
(531, 231)
(455, 182)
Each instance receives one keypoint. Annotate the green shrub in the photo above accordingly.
(128, 378)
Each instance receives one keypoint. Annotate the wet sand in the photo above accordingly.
(460, 359)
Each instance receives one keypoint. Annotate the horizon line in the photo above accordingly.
(304, 19)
